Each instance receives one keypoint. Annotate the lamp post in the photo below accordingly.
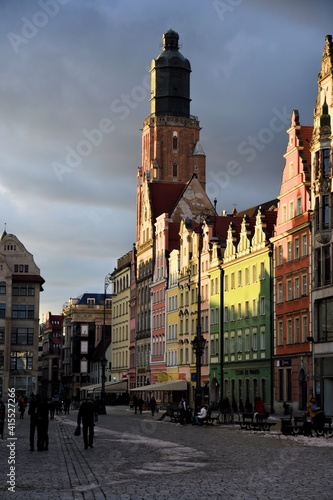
(107, 282)
(199, 342)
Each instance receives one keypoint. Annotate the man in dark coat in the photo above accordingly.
(33, 420)
(87, 413)
(42, 423)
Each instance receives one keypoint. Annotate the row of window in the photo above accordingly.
(120, 359)
(18, 289)
(235, 343)
(296, 330)
(295, 250)
(120, 333)
(294, 289)
(244, 311)
(19, 311)
(190, 326)
(244, 278)
(120, 309)
(291, 213)
(121, 284)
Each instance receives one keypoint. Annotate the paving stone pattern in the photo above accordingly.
(137, 457)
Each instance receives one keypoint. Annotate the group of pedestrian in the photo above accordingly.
(138, 403)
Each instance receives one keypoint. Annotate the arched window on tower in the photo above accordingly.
(175, 141)
(174, 170)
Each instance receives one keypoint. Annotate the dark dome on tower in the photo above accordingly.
(170, 79)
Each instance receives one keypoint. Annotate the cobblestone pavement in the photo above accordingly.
(138, 457)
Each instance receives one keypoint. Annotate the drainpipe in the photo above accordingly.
(271, 294)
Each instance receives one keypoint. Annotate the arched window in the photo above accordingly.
(174, 170)
(175, 141)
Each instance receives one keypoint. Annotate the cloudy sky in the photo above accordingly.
(74, 90)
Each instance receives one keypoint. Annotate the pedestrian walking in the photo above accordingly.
(135, 404)
(140, 404)
(33, 420)
(52, 407)
(88, 414)
(67, 404)
(182, 408)
(153, 405)
(42, 423)
(2, 417)
(21, 405)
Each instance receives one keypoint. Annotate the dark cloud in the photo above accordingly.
(89, 62)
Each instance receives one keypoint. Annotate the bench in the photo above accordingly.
(300, 425)
(326, 428)
(256, 421)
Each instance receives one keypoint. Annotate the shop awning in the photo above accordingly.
(120, 386)
(170, 385)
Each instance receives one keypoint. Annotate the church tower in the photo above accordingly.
(171, 178)
(170, 138)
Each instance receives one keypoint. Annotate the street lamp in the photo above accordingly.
(199, 342)
(107, 282)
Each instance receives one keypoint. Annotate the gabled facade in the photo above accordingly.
(164, 277)
(292, 281)
(248, 312)
(20, 287)
(322, 232)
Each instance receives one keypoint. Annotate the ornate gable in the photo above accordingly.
(259, 237)
(192, 202)
(244, 245)
(230, 251)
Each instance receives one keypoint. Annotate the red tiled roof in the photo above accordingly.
(164, 196)
(265, 207)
